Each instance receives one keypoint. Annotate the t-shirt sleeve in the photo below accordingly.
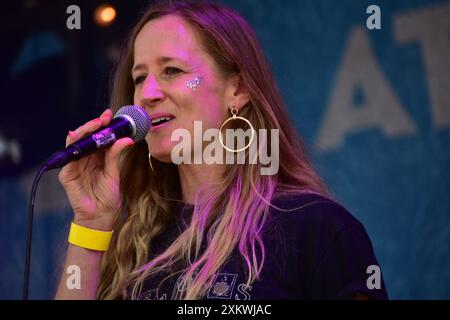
(348, 266)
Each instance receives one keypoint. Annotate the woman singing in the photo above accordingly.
(148, 225)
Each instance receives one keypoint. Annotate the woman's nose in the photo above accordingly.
(151, 92)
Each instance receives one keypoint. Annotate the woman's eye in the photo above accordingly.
(139, 80)
(170, 71)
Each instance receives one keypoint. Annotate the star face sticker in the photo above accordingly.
(194, 84)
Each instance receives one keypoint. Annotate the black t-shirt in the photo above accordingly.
(319, 251)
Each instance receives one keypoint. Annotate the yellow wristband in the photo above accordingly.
(89, 238)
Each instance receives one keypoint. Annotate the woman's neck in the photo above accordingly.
(196, 176)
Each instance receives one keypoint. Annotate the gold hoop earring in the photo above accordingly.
(234, 113)
(150, 161)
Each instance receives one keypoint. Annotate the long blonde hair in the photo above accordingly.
(233, 212)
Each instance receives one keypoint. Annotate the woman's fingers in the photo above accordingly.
(112, 156)
(71, 137)
(87, 128)
(106, 117)
(84, 130)
(91, 126)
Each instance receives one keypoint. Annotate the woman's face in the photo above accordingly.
(175, 78)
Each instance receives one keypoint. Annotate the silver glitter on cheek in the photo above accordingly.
(194, 84)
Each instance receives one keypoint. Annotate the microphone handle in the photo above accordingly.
(104, 137)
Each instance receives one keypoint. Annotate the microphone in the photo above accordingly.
(129, 121)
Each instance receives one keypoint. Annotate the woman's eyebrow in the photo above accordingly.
(160, 61)
(164, 59)
(138, 67)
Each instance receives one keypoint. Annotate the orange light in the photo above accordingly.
(105, 15)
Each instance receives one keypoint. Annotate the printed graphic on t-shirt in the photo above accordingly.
(223, 287)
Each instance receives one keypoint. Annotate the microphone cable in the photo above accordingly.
(26, 272)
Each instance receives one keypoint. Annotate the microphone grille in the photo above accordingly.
(141, 120)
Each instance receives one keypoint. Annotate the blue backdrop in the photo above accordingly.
(372, 106)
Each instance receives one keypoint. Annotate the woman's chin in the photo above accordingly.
(161, 150)
(162, 157)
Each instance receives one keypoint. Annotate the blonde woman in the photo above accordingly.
(207, 230)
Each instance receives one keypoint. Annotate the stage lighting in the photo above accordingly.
(105, 15)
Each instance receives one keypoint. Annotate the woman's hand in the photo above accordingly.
(92, 183)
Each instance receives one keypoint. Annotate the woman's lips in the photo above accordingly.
(157, 126)
(160, 120)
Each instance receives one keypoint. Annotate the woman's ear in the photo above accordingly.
(236, 93)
